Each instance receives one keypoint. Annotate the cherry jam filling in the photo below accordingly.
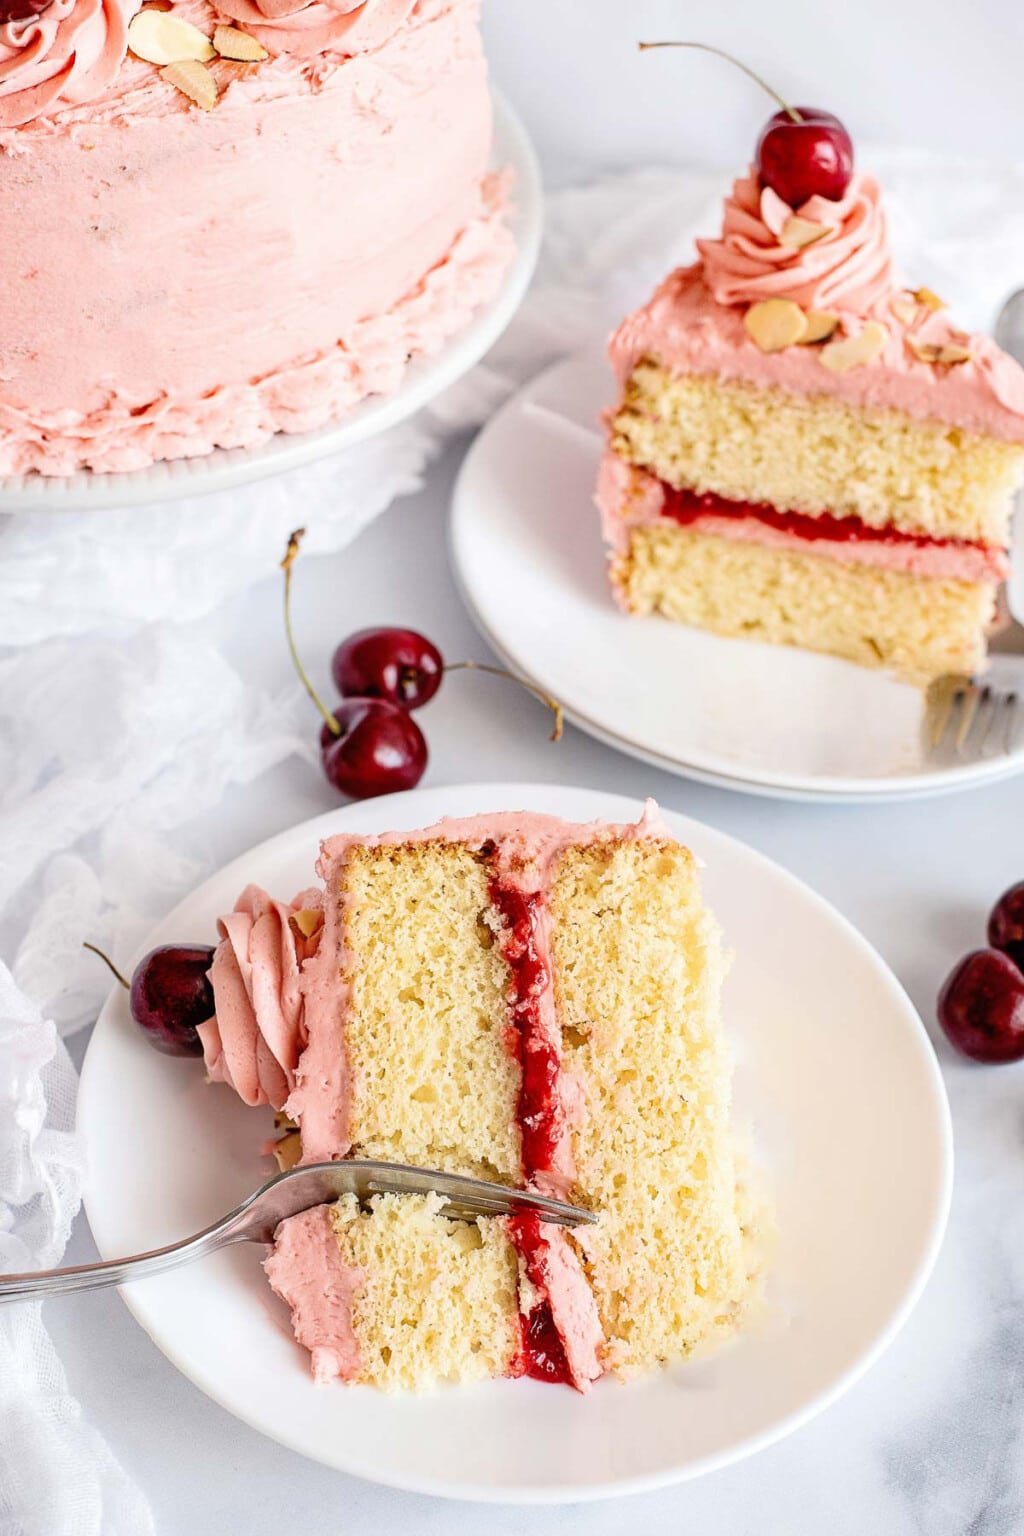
(538, 1112)
(687, 506)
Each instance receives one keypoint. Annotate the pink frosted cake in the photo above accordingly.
(805, 450)
(514, 998)
(227, 220)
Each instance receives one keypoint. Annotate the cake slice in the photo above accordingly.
(517, 998)
(805, 451)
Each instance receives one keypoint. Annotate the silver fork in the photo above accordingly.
(972, 716)
(258, 1218)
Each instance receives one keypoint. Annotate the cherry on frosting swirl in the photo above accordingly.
(849, 268)
(254, 1041)
(69, 54)
(322, 26)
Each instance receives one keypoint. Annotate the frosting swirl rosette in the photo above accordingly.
(322, 26)
(254, 1041)
(69, 54)
(842, 264)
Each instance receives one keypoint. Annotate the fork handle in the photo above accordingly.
(37, 1284)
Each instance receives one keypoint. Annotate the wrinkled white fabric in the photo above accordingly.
(119, 723)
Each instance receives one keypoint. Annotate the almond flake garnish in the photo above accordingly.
(821, 324)
(307, 921)
(159, 37)
(775, 323)
(233, 43)
(904, 307)
(929, 299)
(798, 232)
(946, 353)
(288, 1151)
(854, 351)
(193, 80)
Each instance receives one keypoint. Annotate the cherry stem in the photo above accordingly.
(721, 54)
(513, 677)
(290, 556)
(108, 963)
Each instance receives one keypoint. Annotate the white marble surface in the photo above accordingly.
(932, 1440)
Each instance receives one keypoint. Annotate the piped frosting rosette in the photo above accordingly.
(254, 1041)
(824, 255)
(324, 26)
(69, 54)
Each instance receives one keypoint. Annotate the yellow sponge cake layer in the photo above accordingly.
(439, 1299)
(638, 971)
(431, 1080)
(815, 454)
(917, 627)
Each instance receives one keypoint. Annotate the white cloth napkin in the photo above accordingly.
(119, 723)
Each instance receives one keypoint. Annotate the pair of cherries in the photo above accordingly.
(369, 743)
(981, 1006)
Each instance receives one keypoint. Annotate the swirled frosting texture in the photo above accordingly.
(336, 26)
(848, 268)
(68, 55)
(254, 1041)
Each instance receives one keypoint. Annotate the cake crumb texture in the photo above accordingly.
(438, 1300)
(816, 454)
(917, 627)
(433, 1082)
(638, 970)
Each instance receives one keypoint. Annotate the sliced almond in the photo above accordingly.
(929, 298)
(193, 80)
(283, 1122)
(947, 353)
(821, 324)
(775, 323)
(288, 1151)
(854, 351)
(954, 352)
(904, 307)
(798, 232)
(307, 921)
(233, 43)
(160, 37)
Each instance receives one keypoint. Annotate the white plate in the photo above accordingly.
(528, 556)
(835, 1073)
(423, 380)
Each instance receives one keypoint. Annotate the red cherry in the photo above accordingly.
(394, 664)
(812, 157)
(981, 1007)
(169, 995)
(380, 749)
(22, 10)
(1006, 924)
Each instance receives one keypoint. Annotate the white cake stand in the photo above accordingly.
(424, 379)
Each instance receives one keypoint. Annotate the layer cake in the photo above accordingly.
(516, 998)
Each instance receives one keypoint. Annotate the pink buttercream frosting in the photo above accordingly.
(306, 1269)
(310, 27)
(68, 55)
(629, 497)
(254, 1041)
(847, 268)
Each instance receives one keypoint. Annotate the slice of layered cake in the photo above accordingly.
(516, 998)
(805, 450)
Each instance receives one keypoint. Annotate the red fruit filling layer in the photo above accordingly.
(687, 506)
(538, 1112)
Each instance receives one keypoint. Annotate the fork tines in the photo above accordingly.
(973, 718)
